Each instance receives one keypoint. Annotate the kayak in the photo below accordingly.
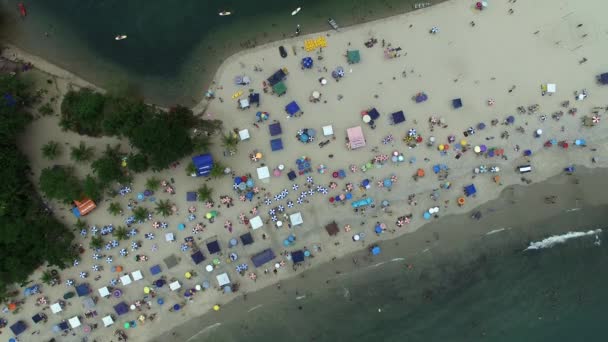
(225, 13)
(22, 9)
(121, 37)
(296, 11)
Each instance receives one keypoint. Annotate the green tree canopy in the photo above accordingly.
(108, 167)
(82, 112)
(60, 183)
(122, 115)
(137, 162)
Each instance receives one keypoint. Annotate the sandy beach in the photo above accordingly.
(494, 60)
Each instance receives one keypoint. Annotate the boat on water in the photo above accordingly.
(22, 9)
(421, 5)
(296, 11)
(225, 13)
(121, 37)
(333, 24)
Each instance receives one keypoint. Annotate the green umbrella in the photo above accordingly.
(127, 325)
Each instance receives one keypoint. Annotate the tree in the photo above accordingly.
(230, 141)
(190, 169)
(140, 214)
(91, 188)
(48, 278)
(137, 162)
(80, 224)
(217, 170)
(122, 115)
(82, 112)
(51, 150)
(121, 233)
(163, 207)
(96, 242)
(152, 183)
(82, 153)
(204, 193)
(60, 183)
(108, 167)
(114, 208)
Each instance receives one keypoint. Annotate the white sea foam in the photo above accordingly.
(498, 230)
(300, 297)
(255, 307)
(573, 209)
(202, 331)
(398, 259)
(559, 239)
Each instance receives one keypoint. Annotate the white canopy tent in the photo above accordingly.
(126, 280)
(222, 279)
(256, 222)
(107, 321)
(104, 291)
(175, 285)
(263, 173)
(244, 134)
(169, 237)
(74, 322)
(244, 103)
(328, 130)
(56, 308)
(137, 275)
(296, 219)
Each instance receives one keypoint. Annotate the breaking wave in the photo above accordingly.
(559, 239)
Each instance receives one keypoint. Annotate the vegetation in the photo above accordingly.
(153, 183)
(91, 188)
(137, 162)
(46, 109)
(217, 170)
(163, 207)
(140, 214)
(49, 278)
(121, 233)
(204, 193)
(82, 112)
(60, 183)
(96, 242)
(31, 236)
(82, 153)
(108, 168)
(51, 150)
(114, 208)
(230, 141)
(190, 169)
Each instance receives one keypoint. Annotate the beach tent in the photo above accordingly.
(83, 207)
(203, 164)
(297, 256)
(296, 219)
(470, 190)
(88, 303)
(198, 257)
(37, 318)
(457, 103)
(355, 137)
(256, 222)
(263, 173)
(154, 270)
(63, 326)
(191, 196)
(328, 130)
(137, 275)
(18, 328)
(222, 279)
(373, 114)
(174, 286)
(276, 144)
(83, 290)
(275, 129)
(291, 175)
(292, 108)
(244, 134)
(121, 308)
(246, 239)
(126, 279)
(263, 257)
(398, 117)
(171, 261)
(107, 321)
(603, 78)
(244, 103)
(279, 88)
(277, 77)
(353, 56)
(74, 322)
(332, 229)
(213, 247)
(169, 237)
(254, 98)
(56, 308)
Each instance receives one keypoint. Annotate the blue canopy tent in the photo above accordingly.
(37, 318)
(398, 117)
(307, 62)
(276, 144)
(121, 308)
(203, 164)
(457, 103)
(263, 257)
(277, 77)
(292, 108)
(247, 239)
(154, 270)
(198, 257)
(254, 98)
(297, 256)
(213, 247)
(470, 190)
(18, 327)
(603, 78)
(373, 114)
(63, 326)
(191, 196)
(83, 290)
(291, 175)
(275, 129)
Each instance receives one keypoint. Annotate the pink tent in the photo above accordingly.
(355, 137)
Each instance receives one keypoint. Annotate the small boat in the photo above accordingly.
(296, 11)
(22, 9)
(421, 5)
(225, 13)
(333, 24)
(121, 37)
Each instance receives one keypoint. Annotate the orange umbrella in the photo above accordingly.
(12, 306)
(420, 173)
(118, 268)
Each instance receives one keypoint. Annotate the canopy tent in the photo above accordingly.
(203, 164)
(171, 261)
(74, 322)
(121, 308)
(291, 175)
(332, 229)
(18, 327)
(277, 77)
(355, 137)
(292, 108)
(83, 207)
(263, 257)
(174, 286)
(244, 134)
(191, 196)
(37, 318)
(276, 144)
(126, 279)
(169, 237)
(107, 321)
(254, 98)
(353, 56)
(137, 275)
(263, 172)
(56, 308)
(83, 290)
(296, 219)
(256, 222)
(297, 256)
(328, 130)
(470, 190)
(279, 88)
(398, 117)
(457, 103)
(275, 129)
(154, 270)
(244, 103)
(198, 257)
(88, 303)
(222, 279)
(373, 114)
(63, 326)
(213, 247)
(246, 239)
(603, 78)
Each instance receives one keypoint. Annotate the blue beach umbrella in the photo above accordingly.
(285, 242)
(249, 183)
(378, 230)
(307, 62)
(388, 183)
(376, 250)
(140, 196)
(306, 253)
(238, 180)
(176, 307)
(426, 215)
(181, 226)
(160, 301)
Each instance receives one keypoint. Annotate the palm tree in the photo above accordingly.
(204, 193)
(163, 207)
(49, 278)
(121, 233)
(153, 183)
(230, 141)
(80, 224)
(140, 214)
(82, 153)
(96, 242)
(51, 150)
(190, 169)
(217, 170)
(115, 208)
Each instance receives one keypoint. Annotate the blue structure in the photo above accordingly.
(154, 270)
(457, 103)
(247, 239)
(213, 247)
(37, 318)
(83, 290)
(297, 256)
(376, 250)
(373, 114)
(398, 117)
(277, 77)
(191, 196)
(603, 78)
(307, 62)
(292, 108)
(18, 327)
(362, 202)
(276, 144)
(198, 257)
(203, 164)
(291, 175)
(470, 190)
(275, 129)
(263, 257)
(254, 98)
(121, 308)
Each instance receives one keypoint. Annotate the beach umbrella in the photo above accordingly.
(340, 71)
(123, 252)
(309, 179)
(387, 183)
(289, 204)
(233, 256)
(159, 283)
(281, 208)
(109, 259)
(160, 301)
(378, 229)
(238, 80)
(299, 200)
(376, 250)
(481, 126)
(95, 268)
(113, 282)
(510, 119)
(426, 215)
(272, 212)
(307, 62)
(69, 282)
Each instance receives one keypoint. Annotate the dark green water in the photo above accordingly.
(173, 47)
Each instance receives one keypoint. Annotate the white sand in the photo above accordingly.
(500, 51)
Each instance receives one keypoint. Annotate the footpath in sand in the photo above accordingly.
(494, 60)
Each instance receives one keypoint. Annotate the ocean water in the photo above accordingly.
(173, 48)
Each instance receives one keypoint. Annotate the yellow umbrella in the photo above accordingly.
(208, 215)
(441, 147)
(146, 290)
(258, 155)
(216, 307)
(463, 142)
(188, 275)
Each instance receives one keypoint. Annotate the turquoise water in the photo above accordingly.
(173, 47)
